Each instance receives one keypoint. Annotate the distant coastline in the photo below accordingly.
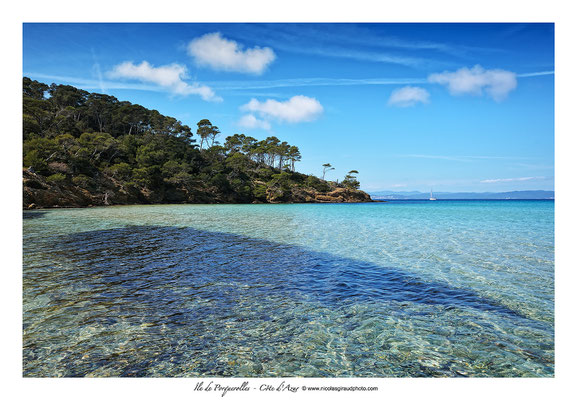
(513, 195)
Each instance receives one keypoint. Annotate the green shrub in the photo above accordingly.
(121, 171)
(36, 161)
(317, 184)
(82, 180)
(56, 178)
(259, 191)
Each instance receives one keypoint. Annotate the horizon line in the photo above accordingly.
(472, 192)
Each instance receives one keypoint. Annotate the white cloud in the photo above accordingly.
(408, 96)
(295, 109)
(251, 122)
(497, 83)
(214, 51)
(528, 178)
(169, 76)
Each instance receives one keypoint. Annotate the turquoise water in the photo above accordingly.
(445, 288)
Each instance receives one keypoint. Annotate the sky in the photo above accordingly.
(412, 107)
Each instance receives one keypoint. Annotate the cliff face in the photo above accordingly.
(38, 192)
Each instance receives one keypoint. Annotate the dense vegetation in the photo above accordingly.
(127, 153)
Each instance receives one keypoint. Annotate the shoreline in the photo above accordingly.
(39, 193)
(58, 207)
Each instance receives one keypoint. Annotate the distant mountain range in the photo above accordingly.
(516, 195)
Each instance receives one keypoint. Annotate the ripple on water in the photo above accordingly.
(167, 301)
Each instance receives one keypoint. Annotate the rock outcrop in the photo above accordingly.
(39, 192)
(343, 195)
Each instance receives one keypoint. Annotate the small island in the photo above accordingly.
(85, 149)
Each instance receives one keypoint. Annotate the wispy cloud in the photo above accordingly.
(169, 76)
(350, 34)
(532, 74)
(379, 57)
(408, 96)
(97, 71)
(91, 84)
(311, 40)
(461, 158)
(534, 166)
(310, 82)
(242, 86)
(527, 178)
(307, 82)
(336, 40)
(214, 51)
(296, 109)
(496, 83)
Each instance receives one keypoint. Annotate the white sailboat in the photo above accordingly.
(432, 198)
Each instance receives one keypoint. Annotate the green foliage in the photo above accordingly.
(83, 181)
(177, 173)
(121, 171)
(151, 154)
(265, 174)
(237, 162)
(207, 132)
(215, 154)
(297, 178)
(327, 167)
(33, 159)
(234, 143)
(33, 89)
(38, 152)
(182, 178)
(281, 185)
(147, 177)
(241, 188)
(317, 184)
(57, 178)
(75, 137)
(220, 182)
(351, 181)
(259, 192)
(57, 109)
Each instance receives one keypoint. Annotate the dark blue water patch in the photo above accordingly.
(183, 296)
(33, 214)
(154, 265)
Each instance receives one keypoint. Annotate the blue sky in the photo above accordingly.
(453, 107)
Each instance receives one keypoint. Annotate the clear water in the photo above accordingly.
(394, 289)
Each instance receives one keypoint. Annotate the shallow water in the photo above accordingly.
(397, 289)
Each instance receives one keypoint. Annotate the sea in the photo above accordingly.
(386, 289)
